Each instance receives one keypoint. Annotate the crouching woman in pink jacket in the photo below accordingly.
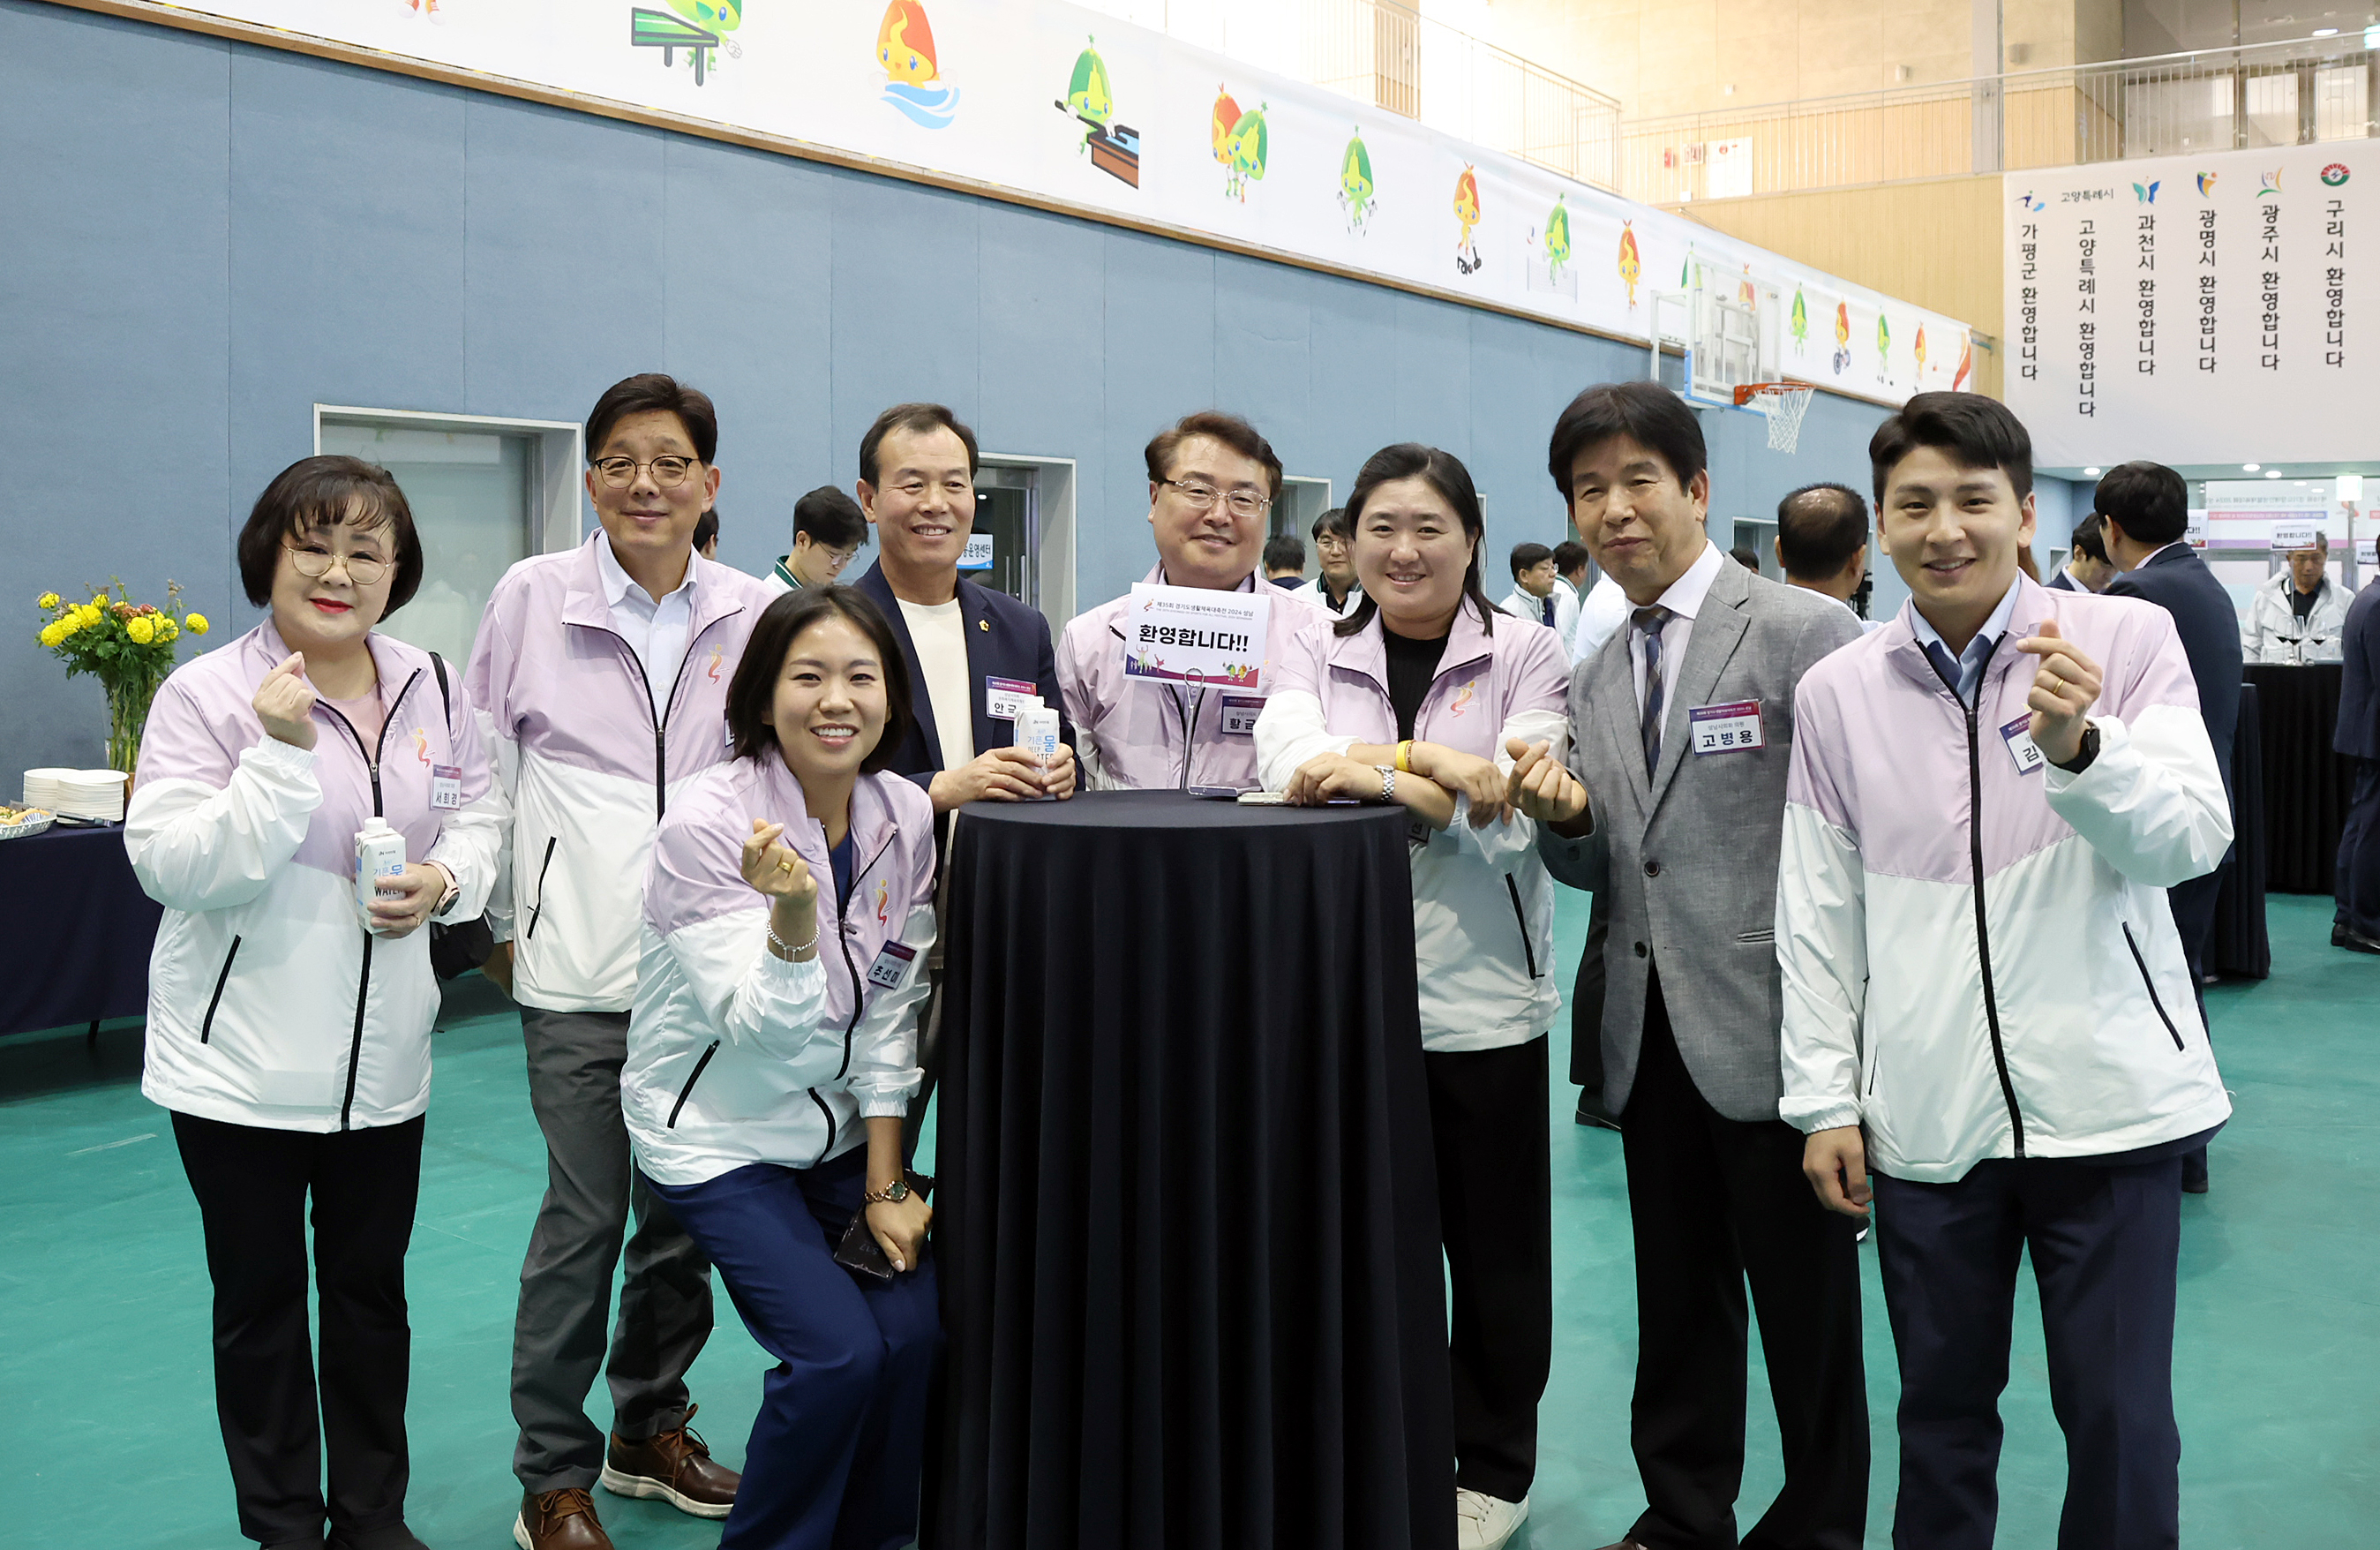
(288, 1027)
(1417, 698)
(773, 1055)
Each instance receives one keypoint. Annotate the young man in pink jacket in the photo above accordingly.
(1986, 1004)
(1211, 479)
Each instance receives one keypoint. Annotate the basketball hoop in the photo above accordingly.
(1785, 404)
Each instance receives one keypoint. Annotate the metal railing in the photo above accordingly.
(1388, 56)
(2297, 92)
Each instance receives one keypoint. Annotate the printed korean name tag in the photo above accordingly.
(1730, 728)
(2018, 735)
(1002, 698)
(891, 962)
(1240, 712)
(446, 787)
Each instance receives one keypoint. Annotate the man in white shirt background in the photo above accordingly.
(1822, 543)
(2298, 616)
(828, 528)
(1539, 594)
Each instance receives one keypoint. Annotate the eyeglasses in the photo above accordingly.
(1329, 540)
(315, 563)
(1202, 497)
(668, 472)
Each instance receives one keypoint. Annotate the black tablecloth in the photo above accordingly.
(78, 927)
(2306, 785)
(2241, 947)
(1187, 1229)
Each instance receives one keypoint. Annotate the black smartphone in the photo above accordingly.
(1217, 793)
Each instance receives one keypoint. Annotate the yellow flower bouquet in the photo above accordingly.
(127, 646)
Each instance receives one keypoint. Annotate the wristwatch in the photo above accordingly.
(2083, 755)
(445, 900)
(891, 1194)
(1388, 783)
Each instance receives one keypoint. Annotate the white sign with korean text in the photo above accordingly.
(2202, 309)
(1189, 635)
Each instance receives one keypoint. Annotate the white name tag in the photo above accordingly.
(1733, 728)
(891, 962)
(1240, 712)
(1002, 698)
(2018, 735)
(446, 787)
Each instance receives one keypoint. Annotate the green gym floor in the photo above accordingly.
(110, 1414)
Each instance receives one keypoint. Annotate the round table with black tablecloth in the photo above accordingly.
(2306, 785)
(78, 927)
(1188, 1225)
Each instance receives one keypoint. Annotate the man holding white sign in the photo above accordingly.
(1164, 685)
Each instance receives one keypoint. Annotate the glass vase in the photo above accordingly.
(128, 713)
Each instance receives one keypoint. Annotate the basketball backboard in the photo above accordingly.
(1726, 327)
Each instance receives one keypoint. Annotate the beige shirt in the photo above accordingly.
(937, 630)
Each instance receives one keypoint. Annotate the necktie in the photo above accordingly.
(1648, 624)
(1548, 610)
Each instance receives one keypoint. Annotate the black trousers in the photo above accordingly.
(1586, 1001)
(2357, 888)
(1717, 1202)
(2106, 1244)
(1495, 1210)
(252, 1186)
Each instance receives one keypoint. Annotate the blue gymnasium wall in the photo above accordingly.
(209, 238)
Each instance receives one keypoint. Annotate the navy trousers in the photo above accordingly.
(836, 1451)
(2359, 854)
(2106, 1245)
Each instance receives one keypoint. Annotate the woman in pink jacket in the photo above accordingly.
(289, 1028)
(1417, 698)
(774, 1052)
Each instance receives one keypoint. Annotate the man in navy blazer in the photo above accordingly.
(971, 653)
(2357, 924)
(2147, 511)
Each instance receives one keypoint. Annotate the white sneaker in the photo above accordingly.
(1485, 1522)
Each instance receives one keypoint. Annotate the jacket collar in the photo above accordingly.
(874, 825)
(1467, 641)
(785, 573)
(1720, 623)
(1908, 657)
(586, 602)
(974, 607)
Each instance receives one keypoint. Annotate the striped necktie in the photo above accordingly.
(1648, 623)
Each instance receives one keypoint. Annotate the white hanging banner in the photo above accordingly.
(1066, 104)
(2194, 309)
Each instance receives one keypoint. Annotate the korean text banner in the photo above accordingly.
(2214, 309)
(1070, 105)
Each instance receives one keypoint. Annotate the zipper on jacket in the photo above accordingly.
(1189, 717)
(1528, 950)
(207, 1027)
(691, 1077)
(1975, 866)
(2142, 964)
(543, 867)
(363, 981)
(828, 1115)
(660, 713)
(843, 941)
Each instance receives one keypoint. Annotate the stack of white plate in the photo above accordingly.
(94, 796)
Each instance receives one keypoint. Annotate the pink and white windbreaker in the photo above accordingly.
(1483, 903)
(736, 1056)
(269, 1003)
(1977, 954)
(589, 763)
(1131, 733)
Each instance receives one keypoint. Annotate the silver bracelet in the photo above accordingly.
(788, 949)
(1388, 783)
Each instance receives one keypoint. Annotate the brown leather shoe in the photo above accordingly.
(675, 1466)
(559, 1521)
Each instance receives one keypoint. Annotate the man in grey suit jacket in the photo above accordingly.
(1681, 730)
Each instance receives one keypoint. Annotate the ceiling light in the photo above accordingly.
(2325, 31)
(2090, 473)
(2272, 473)
(2249, 468)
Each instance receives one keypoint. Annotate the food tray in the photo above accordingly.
(31, 824)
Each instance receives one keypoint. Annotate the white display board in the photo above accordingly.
(1072, 105)
(2212, 309)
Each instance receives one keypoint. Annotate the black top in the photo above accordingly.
(2301, 604)
(839, 858)
(1413, 668)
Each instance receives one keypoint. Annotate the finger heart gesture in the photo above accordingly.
(2064, 689)
(773, 868)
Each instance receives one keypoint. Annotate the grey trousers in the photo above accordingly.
(591, 1186)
